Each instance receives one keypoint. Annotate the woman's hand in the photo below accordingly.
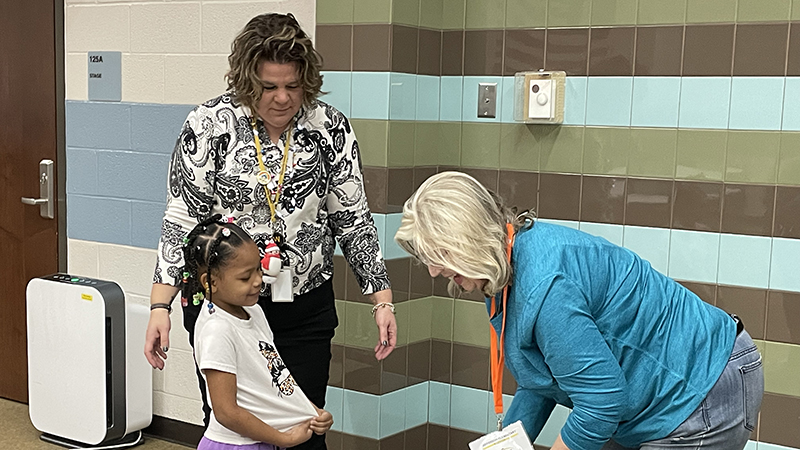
(321, 423)
(156, 339)
(387, 324)
(387, 331)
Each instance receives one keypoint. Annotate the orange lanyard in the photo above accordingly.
(497, 354)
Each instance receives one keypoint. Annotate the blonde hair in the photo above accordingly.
(452, 221)
(275, 38)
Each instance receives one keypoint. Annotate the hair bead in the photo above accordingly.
(212, 242)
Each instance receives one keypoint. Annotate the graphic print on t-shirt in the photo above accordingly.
(281, 377)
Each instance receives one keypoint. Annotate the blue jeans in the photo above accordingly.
(728, 414)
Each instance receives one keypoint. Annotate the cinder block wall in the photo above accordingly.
(174, 56)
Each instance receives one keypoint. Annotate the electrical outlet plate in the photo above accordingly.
(487, 100)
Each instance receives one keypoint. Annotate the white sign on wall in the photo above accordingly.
(105, 76)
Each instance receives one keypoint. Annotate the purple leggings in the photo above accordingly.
(208, 444)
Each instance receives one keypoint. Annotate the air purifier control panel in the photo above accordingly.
(66, 278)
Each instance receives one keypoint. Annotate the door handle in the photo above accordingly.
(46, 202)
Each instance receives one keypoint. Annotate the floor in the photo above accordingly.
(17, 433)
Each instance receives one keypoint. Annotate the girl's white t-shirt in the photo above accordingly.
(264, 386)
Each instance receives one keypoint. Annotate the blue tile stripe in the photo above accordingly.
(736, 103)
(437, 403)
(427, 402)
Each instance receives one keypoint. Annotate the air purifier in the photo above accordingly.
(89, 383)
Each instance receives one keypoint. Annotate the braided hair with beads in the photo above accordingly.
(207, 248)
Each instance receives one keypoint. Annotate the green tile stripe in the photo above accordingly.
(763, 10)
(494, 14)
(418, 320)
(781, 360)
(461, 321)
(667, 153)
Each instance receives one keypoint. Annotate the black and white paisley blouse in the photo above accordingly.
(213, 170)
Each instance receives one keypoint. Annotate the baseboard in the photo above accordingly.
(174, 431)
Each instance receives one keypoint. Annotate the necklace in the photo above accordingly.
(263, 177)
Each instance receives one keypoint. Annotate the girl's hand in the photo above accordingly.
(321, 423)
(296, 435)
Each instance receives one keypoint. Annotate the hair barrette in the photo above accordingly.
(211, 309)
(228, 219)
(226, 232)
(185, 240)
(184, 302)
(197, 298)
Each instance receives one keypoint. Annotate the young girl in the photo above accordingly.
(255, 402)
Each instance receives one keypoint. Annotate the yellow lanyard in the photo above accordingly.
(273, 202)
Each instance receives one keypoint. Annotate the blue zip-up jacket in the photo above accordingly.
(593, 327)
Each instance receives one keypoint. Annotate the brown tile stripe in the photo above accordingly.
(779, 422)
(768, 49)
(356, 369)
(749, 209)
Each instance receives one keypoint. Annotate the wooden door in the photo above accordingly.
(31, 129)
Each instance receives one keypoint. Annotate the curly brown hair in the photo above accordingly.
(275, 38)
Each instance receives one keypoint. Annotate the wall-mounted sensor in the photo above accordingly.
(539, 97)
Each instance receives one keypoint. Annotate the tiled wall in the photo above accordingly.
(681, 142)
(660, 153)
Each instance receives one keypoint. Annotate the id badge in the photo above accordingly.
(282, 287)
(512, 437)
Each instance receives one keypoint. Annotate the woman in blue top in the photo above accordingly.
(641, 361)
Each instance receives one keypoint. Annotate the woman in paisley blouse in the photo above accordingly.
(285, 167)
